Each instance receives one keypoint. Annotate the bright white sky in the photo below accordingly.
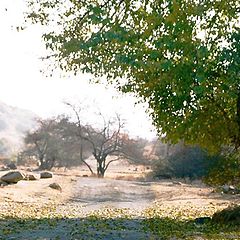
(23, 85)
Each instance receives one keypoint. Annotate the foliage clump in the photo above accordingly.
(226, 170)
(230, 215)
(184, 162)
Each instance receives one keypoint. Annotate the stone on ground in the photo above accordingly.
(13, 177)
(12, 166)
(46, 175)
(55, 186)
(31, 177)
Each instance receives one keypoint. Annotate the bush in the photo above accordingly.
(185, 161)
(230, 215)
(226, 170)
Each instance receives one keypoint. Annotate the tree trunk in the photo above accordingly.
(100, 169)
(44, 166)
(41, 159)
(81, 158)
(237, 140)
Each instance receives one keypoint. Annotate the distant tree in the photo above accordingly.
(53, 144)
(134, 150)
(161, 149)
(3, 147)
(73, 151)
(105, 141)
(38, 143)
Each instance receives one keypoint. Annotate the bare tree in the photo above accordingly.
(104, 141)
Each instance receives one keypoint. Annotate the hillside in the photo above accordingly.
(14, 123)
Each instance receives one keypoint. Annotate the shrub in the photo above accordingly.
(230, 215)
(226, 170)
(185, 161)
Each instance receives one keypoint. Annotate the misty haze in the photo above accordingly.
(119, 120)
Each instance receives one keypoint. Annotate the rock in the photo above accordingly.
(12, 166)
(176, 183)
(3, 184)
(46, 175)
(4, 168)
(225, 188)
(163, 176)
(31, 177)
(229, 189)
(202, 220)
(55, 186)
(13, 177)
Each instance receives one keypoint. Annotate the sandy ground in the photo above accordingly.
(95, 193)
(82, 195)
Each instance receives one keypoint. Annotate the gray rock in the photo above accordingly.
(12, 166)
(3, 184)
(13, 177)
(229, 189)
(31, 177)
(55, 186)
(202, 220)
(225, 188)
(176, 183)
(46, 175)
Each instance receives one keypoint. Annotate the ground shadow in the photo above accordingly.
(94, 227)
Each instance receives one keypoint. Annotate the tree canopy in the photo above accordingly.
(179, 56)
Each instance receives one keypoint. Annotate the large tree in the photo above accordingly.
(180, 56)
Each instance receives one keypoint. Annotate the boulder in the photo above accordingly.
(31, 177)
(13, 177)
(229, 189)
(3, 184)
(225, 188)
(55, 186)
(202, 220)
(46, 175)
(12, 166)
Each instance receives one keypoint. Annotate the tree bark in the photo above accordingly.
(81, 158)
(237, 141)
(100, 169)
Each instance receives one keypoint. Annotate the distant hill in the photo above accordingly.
(14, 123)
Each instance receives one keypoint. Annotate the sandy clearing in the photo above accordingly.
(81, 196)
(94, 193)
